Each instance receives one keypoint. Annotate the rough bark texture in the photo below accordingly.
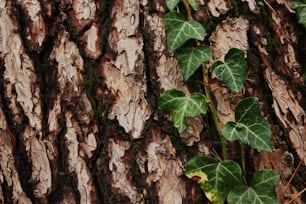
(80, 81)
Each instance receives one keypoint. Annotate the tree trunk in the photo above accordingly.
(80, 81)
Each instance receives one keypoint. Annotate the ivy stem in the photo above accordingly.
(243, 161)
(207, 91)
(213, 111)
(188, 10)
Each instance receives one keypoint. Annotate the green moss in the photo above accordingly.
(272, 44)
(209, 23)
(72, 30)
(151, 198)
(134, 172)
(100, 109)
(89, 80)
(100, 177)
(103, 7)
(180, 146)
(264, 15)
(62, 160)
(104, 33)
(145, 35)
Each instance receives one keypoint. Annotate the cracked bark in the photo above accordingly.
(80, 80)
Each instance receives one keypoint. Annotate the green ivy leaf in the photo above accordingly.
(250, 127)
(190, 58)
(216, 179)
(180, 106)
(233, 71)
(180, 31)
(300, 7)
(171, 4)
(261, 191)
(172, 18)
(194, 4)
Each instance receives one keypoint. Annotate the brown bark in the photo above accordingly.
(80, 80)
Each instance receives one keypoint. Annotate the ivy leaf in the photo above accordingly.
(194, 4)
(300, 7)
(215, 179)
(180, 30)
(264, 179)
(232, 72)
(261, 191)
(172, 18)
(171, 4)
(250, 127)
(191, 58)
(180, 106)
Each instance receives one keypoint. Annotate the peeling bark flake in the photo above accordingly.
(19, 72)
(35, 29)
(83, 12)
(165, 170)
(120, 170)
(84, 9)
(23, 96)
(125, 75)
(76, 163)
(218, 7)
(285, 103)
(286, 106)
(80, 133)
(230, 33)
(92, 39)
(286, 60)
(70, 65)
(7, 167)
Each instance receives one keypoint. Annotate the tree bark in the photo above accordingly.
(80, 81)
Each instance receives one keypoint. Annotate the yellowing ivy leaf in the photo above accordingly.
(215, 178)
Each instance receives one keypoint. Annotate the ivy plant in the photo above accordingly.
(190, 58)
(180, 106)
(260, 191)
(180, 30)
(300, 7)
(215, 178)
(221, 180)
(250, 127)
(232, 71)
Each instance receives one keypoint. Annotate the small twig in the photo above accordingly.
(216, 155)
(297, 195)
(270, 7)
(293, 175)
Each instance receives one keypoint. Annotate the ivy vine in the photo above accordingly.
(219, 179)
